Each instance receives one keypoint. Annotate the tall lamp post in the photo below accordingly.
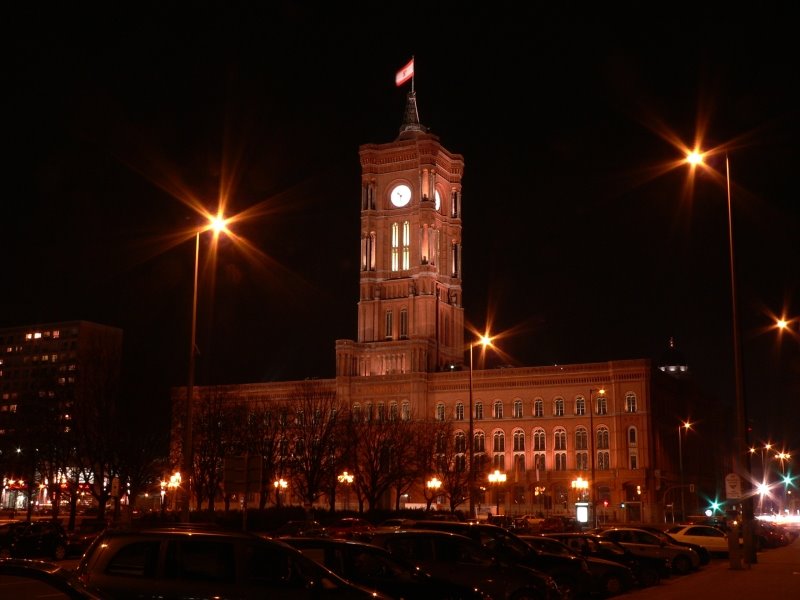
(497, 479)
(592, 437)
(217, 224)
(741, 458)
(482, 341)
(346, 479)
(687, 426)
(764, 475)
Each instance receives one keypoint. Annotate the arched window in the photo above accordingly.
(459, 411)
(580, 406)
(517, 408)
(602, 405)
(602, 437)
(632, 435)
(499, 461)
(381, 412)
(561, 461)
(539, 461)
(356, 412)
(479, 442)
(498, 409)
(406, 411)
(367, 412)
(560, 439)
(539, 440)
(581, 439)
(604, 460)
(479, 411)
(558, 407)
(630, 402)
(538, 408)
(460, 442)
(440, 411)
(499, 441)
(461, 463)
(519, 441)
(393, 411)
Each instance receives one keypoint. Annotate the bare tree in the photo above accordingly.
(312, 432)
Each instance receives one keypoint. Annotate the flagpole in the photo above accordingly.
(412, 74)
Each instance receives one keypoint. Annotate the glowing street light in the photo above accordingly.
(484, 341)
(280, 486)
(433, 484)
(695, 159)
(580, 485)
(497, 479)
(683, 426)
(764, 474)
(346, 479)
(217, 224)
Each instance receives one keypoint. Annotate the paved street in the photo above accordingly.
(776, 575)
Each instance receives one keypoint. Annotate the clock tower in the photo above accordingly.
(410, 313)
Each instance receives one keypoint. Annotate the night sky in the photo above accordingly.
(579, 239)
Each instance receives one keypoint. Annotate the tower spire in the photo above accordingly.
(411, 116)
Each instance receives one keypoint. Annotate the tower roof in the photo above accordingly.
(411, 122)
(673, 361)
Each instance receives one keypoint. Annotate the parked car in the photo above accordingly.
(33, 539)
(348, 527)
(80, 539)
(375, 568)
(608, 578)
(558, 524)
(571, 573)
(715, 541)
(464, 561)
(59, 582)
(296, 528)
(646, 569)
(645, 543)
(702, 552)
(529, 523)
(195, 562)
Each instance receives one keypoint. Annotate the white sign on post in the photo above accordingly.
(733, 486)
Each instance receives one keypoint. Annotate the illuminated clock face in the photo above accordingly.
(437, 199)
(401, 195)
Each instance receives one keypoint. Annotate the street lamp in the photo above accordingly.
(280, 485)
(687, 426)
(740, 453)
(434, 484)
(497, 479)
(580, 485)
(218, 225)
(483, 341)
(764, 474)
(346, 478)
(592, 436)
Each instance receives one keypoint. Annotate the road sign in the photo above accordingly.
(733, 486)
(242, 474)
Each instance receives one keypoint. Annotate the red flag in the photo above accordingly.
(405, 73)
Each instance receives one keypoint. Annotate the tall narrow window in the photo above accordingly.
(602, 405)
(403, 324)
(393, 411)
(440, 412)
(405, 411)
(459, 411)
(538, 408)
(479, 442)
(561, 461)
(538, 461)
(519, 441)
(580, 406)
(558, 407)
(479, 411)
(388, 332)
(406, 246)
(560, 439)
(602, 437)
(460, 442)
(581, 439)
(517, 408)
(499, 441)
(498, 409)
(519, 463)
(630, 402)
(395, 247)
(539, 439)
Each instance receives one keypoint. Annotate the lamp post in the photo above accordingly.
(764, 475)
(346, 479)
(783, 456)
(483, 341)
(741, 458)
(217, 224)
(592, 409)
(497, 479)
(280, 486)
(433, 484)
(685, 425)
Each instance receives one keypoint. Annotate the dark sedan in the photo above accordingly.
(373, 567)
